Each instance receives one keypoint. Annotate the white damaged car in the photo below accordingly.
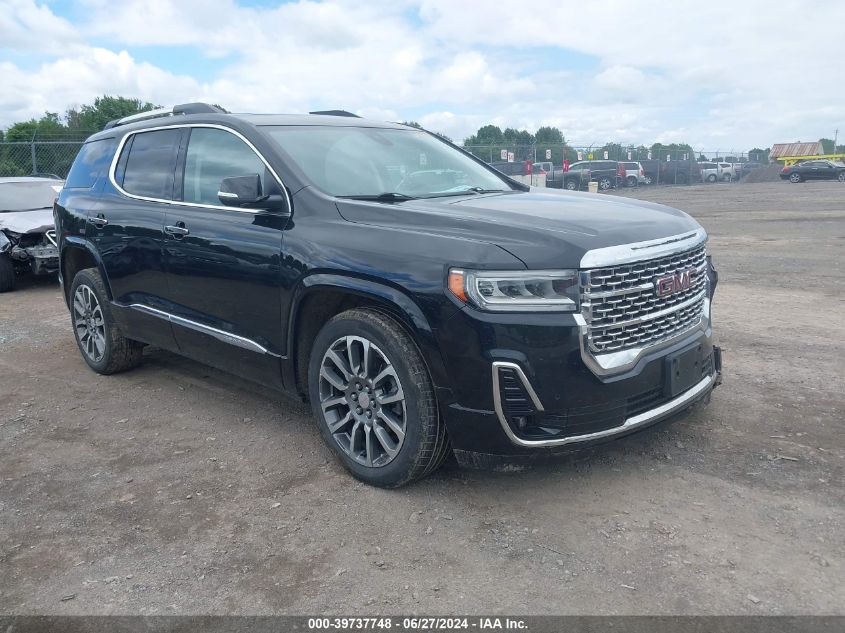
(27, 235)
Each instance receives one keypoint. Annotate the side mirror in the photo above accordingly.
(239, 191)
(246, 192)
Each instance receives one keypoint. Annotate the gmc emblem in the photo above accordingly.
(670, 284)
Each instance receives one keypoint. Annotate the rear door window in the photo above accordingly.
(150, 161)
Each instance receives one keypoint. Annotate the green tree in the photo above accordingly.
(827, 144)
(758, 155)
(548, 135)
(93, 118)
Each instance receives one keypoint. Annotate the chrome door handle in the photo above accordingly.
(98, 221)
(176, 231)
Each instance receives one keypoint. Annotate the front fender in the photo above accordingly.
(394, 301)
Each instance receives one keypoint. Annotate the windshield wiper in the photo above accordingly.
(387, 196)
(469, 191)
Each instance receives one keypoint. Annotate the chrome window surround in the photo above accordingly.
(180, 203)
(220, 335)
(641, 419)
(624, 360)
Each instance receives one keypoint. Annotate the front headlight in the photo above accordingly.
(517, 291)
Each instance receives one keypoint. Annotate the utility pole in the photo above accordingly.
(835, 138)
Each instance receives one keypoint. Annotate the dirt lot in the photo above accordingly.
(178, 489)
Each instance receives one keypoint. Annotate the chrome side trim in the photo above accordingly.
(497, 394)
(180, 203)
(637, 251)
(631, 423)
(220, 335)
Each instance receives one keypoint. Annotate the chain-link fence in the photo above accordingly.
(659, 164)
(23, 158)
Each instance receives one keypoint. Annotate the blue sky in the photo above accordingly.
(608, 70)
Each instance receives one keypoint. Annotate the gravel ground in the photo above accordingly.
(177, 489)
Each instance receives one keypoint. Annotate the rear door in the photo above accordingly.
(126, 228)
(223, 263)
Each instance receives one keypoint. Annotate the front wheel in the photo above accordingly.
(102, 345)
(841, 176)
(374, 401)
(646, 180)
(571, 185)
(711, 178)
(795, 178)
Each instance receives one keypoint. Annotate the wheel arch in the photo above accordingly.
(78, 254)
(321, 296)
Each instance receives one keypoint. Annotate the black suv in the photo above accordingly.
(423, 302)
(607, 173)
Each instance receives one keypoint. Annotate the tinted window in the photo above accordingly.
(92, 161)
(212, 156)
(150, 163)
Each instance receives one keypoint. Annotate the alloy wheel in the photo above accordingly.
(841, 176)
(795, 177)
(89, 323)
(362, 401)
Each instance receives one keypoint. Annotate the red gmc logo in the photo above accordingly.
(670, 284)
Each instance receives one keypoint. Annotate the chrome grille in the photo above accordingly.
(623, 309)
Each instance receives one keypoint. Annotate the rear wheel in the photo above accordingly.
(795, 177)
(632, 181)
(374, 401)
(7, 274)
(711, 178)
(604, 183)
(571, 185)
(102, 345)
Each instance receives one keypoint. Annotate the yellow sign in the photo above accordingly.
(590, 156)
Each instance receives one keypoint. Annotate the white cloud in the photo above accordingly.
(659, 73)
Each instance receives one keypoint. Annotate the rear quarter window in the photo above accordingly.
(91, 162)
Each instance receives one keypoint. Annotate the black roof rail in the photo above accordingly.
(336, 113)
(185, 108)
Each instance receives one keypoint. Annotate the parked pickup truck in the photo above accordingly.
(433, 309)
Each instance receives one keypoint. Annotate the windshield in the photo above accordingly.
(369, 162)
(28, 195)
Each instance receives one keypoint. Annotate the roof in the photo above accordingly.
(314, 119)
(796, 149)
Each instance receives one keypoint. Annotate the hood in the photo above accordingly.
(27, 221)
(543, 228)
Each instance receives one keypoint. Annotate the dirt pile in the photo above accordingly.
(766, 173)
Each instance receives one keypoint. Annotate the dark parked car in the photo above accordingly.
(27, 238)
(814, 170)
(423, 302)
(608, 173)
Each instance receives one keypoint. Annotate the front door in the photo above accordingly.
(223, 263)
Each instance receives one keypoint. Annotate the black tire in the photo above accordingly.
(119, 353)
(711, 178)
(425, 444)
(7, 274)
(571, 185)
(604, 183)
(841, 176)
(795, 177)
(631, 181)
